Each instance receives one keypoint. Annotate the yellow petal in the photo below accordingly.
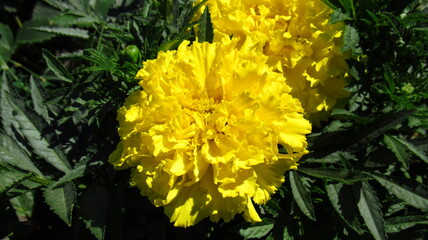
(250, 213)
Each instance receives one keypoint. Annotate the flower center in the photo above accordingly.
(205, 106)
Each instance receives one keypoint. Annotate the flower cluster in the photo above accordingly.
(202, 137)
(299, 41)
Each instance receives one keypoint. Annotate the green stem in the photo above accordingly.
(17, 64)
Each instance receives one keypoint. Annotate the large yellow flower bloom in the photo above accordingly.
(299, 41)
(202, 137)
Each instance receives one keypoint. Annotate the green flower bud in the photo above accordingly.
(407, 88)
(132, 54)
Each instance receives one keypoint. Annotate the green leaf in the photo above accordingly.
(10, 177)
(353, 139)
(412, 192)
(23, 205)
(339, 174)
(26, 34)
(398, 149)
(93, 210)
(374, 129)
(78, 171)
(102, 61)
(342, 113)
(38, 100)
(12, 154)
(351, 39)
(43, 11)
(206, 32)
(413, 149)
(61, 5)
(32, 128)
(328, 3)
(6, 40)
(346, 4)
(7, 118)
(370, 209)
(338, 16)
(56, 66)
(71, 32)
(169, 45)
(336, 157)
(301, 195)
(336, 126)
(103, 6)
(61, 201)
(341, 198)
(257, 230)
(397, 224)
(6, 45)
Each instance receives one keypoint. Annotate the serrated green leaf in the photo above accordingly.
(169, 45)
(101, 61)
(10, 177)
(412, 192)
(370, 209)
(58, 4)
(351, 39)
(353, 139)
(338, 16)
(257, 230)
(336, 157)
(301, 195)
(338, 174)
(26, 34)
(206, 31)
(66, 31)
(78, 171)
(61, 201)
(398, 149)
(341, 198)
(12, 154)
(56, 66)
(93, 206)
(31, 127)
(379, 126)
(413, 149)
(397, 224)
(23, 204)
(38, 100)
(5, 109)
(336, 126)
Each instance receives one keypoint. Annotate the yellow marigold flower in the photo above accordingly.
(297, 38)
(202, 138)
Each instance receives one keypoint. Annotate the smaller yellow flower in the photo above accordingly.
(202, 138)
(298, 40)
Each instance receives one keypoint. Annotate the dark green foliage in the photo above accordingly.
(206, 32)
(67, 66)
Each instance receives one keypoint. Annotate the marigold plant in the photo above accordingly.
(202, 137)
(299, 41)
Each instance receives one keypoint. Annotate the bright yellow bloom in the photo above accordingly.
(299, 41)
(202, 138)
